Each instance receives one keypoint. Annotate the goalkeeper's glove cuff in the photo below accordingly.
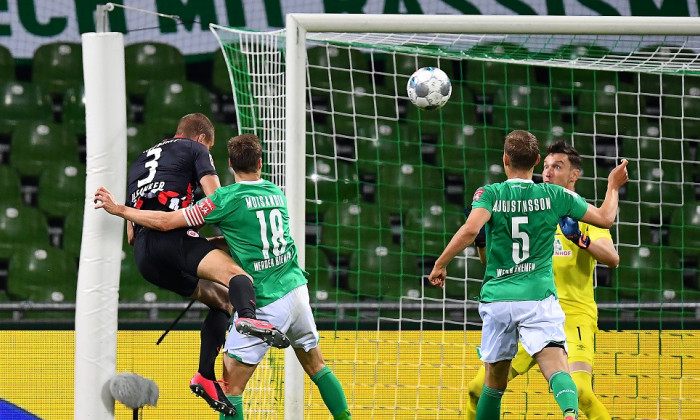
(583, 241)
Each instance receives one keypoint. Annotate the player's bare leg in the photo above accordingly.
(328, 385)
(553, 363)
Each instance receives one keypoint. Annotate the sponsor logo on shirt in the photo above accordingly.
(477, 194)
(559, 250)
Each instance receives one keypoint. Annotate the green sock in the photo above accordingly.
(564, 390)
(237, 401)
(489, 406)
(332, 393)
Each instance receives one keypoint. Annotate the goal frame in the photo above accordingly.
(299, 24)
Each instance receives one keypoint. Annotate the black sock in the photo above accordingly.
(242, 295)
(213, 335)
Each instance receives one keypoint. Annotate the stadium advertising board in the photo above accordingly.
(27, 24)
(641, 374)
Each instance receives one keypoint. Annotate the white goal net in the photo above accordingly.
(377, 187)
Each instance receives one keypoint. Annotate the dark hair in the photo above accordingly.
(245, 152)
(522, 148)
(562, 147)
(192, 125)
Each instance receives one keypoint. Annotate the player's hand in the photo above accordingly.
(618, 176)
(570, 229)
(437, 276)
(105, 200)
(480, 240)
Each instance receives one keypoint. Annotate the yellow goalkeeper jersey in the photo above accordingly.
(573, 272)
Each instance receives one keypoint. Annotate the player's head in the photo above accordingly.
(562, 165)
(245, 153)
(196, 127)
(521, 150)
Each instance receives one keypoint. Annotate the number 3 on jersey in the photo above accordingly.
(520, 255)
(151, 165)
(279, 244)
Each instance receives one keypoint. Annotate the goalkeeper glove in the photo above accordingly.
(570, 229)
(480, 240)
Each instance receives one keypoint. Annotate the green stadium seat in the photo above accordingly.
(147, 62)
(58, 66)
(329, 67)
(61, 188)
(7, 65)
(139, 137)
(22, 103)
(168, 100)
(387, 151)
(347, 226)
(464, 278)
(19, 226)
(523, 107)
(72, 235)
(642, 270)
(427, 230)
(401, 187)
(319, 269)
(486, 77)
(73, 108)
(331, 180)
(378, 271)
(10, 186)
(607, 111)
(563, 79)
(686, 227)
(42, 275)
(36, 144)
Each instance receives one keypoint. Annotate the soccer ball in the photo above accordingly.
(429, 88)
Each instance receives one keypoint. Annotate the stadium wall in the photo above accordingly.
(640, 376)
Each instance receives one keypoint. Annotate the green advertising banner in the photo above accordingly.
(26, 24)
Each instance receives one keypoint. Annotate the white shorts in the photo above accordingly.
(535, 323)
(291, 314)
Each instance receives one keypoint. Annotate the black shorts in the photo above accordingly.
(170, 259)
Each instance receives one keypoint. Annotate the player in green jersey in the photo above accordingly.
(252, 215)
(577, 248)
(518, 299)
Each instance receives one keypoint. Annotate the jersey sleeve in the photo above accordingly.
(203, 162)
(595, 232)
(569, 203)
(483, 198)
(207, 210)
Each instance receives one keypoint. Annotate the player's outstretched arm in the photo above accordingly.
(463, 238)
(156, 220)
(604, 216)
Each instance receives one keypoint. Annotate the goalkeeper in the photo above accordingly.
(577, 247)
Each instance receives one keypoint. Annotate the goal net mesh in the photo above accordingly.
(387, 185)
